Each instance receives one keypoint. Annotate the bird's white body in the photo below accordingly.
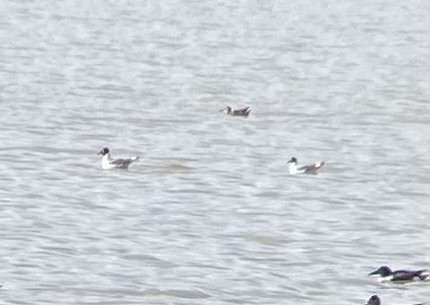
(292, 168)
(106, 162)
(384, 279)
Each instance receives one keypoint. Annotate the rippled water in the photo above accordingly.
(209, 215)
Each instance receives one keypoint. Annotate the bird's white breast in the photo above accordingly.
(106, 164)
(293, 169)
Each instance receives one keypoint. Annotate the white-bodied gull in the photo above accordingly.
(109, 163)
(312, 169)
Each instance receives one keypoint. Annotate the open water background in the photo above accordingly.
(209, 215)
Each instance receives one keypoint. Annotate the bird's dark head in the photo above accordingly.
(104, 151)
(374, 300)
(227, 110)
(292, 160)
(382, 271)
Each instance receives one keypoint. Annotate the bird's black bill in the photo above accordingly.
(374, 272)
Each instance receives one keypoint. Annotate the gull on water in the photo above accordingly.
(295, 169)
(109, 163)
(238, 112)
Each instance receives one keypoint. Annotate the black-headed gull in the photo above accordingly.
(109, 163)
(312, 169)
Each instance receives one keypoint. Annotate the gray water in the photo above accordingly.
(209, 215)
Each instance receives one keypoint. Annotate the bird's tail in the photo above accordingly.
(424, 274)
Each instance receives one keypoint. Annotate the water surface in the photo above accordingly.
(209, 215)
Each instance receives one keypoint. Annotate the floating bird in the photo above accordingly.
(237, 112)
(109, 163)
(375, 300)
(386, 275)
(306, 169)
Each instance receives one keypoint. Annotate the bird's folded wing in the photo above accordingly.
(405, 275)
(307, 168)
(243, 110)
(121, 161)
